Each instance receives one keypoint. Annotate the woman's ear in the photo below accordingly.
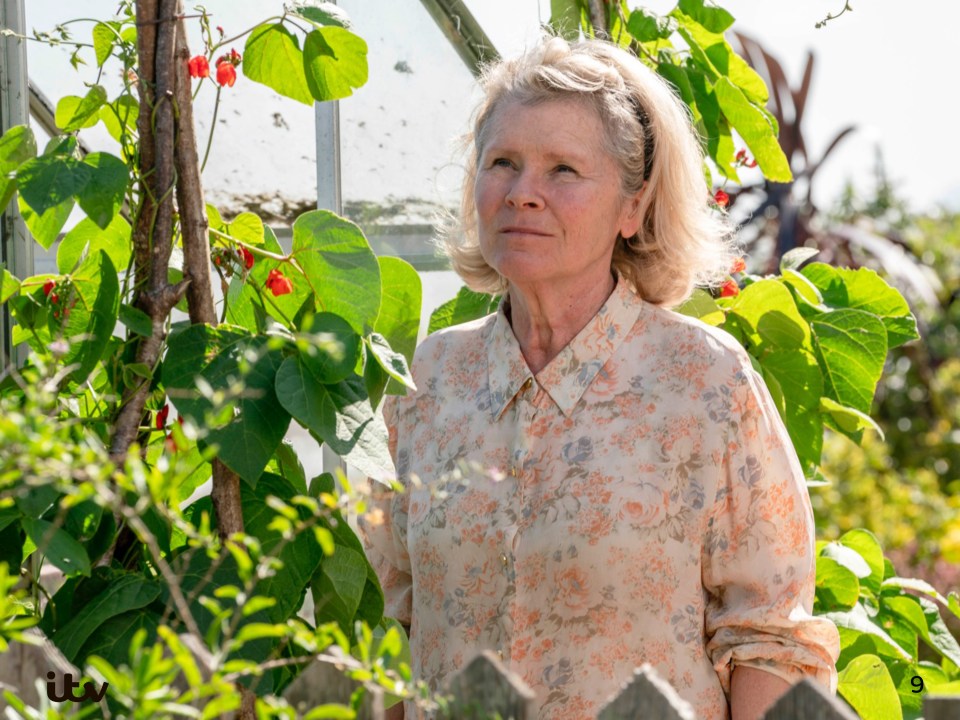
(630, 219)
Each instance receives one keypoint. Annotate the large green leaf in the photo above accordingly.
(9, 285)
(866, 684)
(120, 117)
(868, 547)
(837, 586)
(466, 306)
(102, 194)
(51, 180)
(321, 13)
(46, 226)
(644, 25)
(335, 61)
(850, 421)
(852, 347)
(702, 306)
(74, 113)
(86, 238)
(712, 18)
(801, 382)
(755, 129)
(715, 126)
(333, 350)
(863, 289)
(938, 635)
(769, 317)
(17, 145)
(338, 587)
(272, 56)
(93, 317)
(340, 267)
(57, 546)
(339, 415)
(104, 36)
(127, 592)
(400, 302)
(391, 361)
(248, 439)
(113, 638)
(855, 622)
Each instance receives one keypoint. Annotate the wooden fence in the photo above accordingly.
(485, 689)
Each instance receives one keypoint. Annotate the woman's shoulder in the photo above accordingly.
(688, 339)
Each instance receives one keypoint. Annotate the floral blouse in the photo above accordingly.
(637, 501)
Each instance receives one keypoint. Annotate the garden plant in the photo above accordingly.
(190, 604)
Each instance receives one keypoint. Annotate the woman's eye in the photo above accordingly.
(565, 169)
(500, 162)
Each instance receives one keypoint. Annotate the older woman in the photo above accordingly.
(593, 481)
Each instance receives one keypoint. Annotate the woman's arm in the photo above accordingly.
(752, 692)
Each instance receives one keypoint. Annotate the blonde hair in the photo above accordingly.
(683, 241)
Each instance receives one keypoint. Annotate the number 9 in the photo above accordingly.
(917, 682)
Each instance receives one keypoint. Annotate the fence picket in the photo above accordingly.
(808, 700)
(485, 687)
(941, 707)
(647, 695)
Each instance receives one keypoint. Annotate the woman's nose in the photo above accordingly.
(524, 192)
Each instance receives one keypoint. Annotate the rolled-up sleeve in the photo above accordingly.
(383, 533)
(758, 559)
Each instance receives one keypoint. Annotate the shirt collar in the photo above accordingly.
(572, 371)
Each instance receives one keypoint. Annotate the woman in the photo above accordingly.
(594, 482)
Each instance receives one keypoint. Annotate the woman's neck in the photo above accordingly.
(544, 321)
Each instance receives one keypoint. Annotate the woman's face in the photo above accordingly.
(548, 199)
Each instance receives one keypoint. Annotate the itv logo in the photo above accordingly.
(90, 691)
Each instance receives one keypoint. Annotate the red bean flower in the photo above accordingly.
(742, 159)
(729, 289)
(162, 417)
(246, 256)
(721, 198)
(278, 283)
(738, 266)
(198, 67)
(226, 74)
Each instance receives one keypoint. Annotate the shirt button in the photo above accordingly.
(527, 384)
(513, 472)
(500, 654)
(503, 559)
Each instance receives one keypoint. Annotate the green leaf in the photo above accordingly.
(756, 131)
(46, 226)
(338, 587)
(801, 382)
(321, 13)
(677, 76)
(938, 635)
(805, 293)
(111, 641)
(850, 421)
(866, 684)
(335, 62)
(863, 289)
(793, 259)
(848, 558)
(852, 346)
(17, 145)
(250, 437)
(51, 180)
(854, 623)
(644, 25)
(713, 19)
(340, 267)
(328, 711)
(702, 306)
(57, 546)
(74, 113)
(339, 415)
(770, 318)
(247, 227)
(102, 195)
(334, 348)
(868, 547)
(272, 56)
(86, 238)
(716, 129)
(104, 37)
(9, 285)
(391, 361)
(136, 320)
(126, 592)
(837, 586)
(466, 306)
(92, 319)
(565, 18)
(400, 303)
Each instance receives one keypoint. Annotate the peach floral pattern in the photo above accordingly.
(636, 501)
